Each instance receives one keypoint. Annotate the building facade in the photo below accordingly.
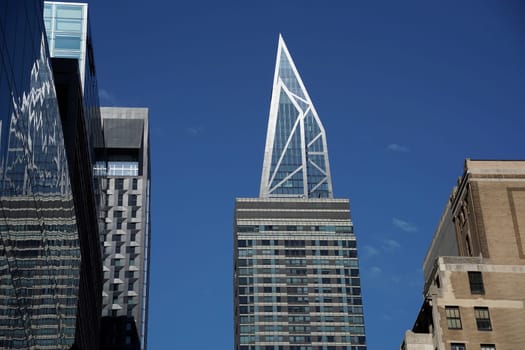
(474, 269)
(46, 299)
(126, 234)
(122, 166)
(296, 274)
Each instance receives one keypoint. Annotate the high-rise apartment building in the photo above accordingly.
(49, 268)
(474, 269)
(296, 274)
(126, 234)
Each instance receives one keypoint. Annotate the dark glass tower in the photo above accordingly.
(296, 274)
(49, 267)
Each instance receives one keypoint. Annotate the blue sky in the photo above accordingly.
(406, 91)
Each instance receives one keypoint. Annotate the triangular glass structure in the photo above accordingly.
(296, 156)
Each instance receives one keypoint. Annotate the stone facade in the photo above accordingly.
(475, 299)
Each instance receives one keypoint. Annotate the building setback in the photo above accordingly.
(50, 268)
(474, 269)
(296, 274)
(125, 171)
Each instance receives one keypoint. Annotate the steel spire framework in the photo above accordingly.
(296, 156)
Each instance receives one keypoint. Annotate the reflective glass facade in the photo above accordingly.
(296, 156)
(40, 260)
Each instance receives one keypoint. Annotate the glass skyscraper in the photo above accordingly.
(39, 242)
(296, 274)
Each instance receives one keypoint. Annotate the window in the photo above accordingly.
(483, 318)
(488, 347)
(134, 184)
(453, 317)
(119, 184)
(457, 346)
(475, 280)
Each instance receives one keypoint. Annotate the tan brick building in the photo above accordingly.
(474, 270)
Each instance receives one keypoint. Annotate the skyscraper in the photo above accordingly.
(474, 269)
(49, 268)
(120, 155)
(126, 235)
(296, 274)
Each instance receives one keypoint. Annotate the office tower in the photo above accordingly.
(296, 277)
(45, 302)
(126, 235)
(474, 269)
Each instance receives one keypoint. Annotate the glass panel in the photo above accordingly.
(66, 11)
(69, 25)
(67, 42)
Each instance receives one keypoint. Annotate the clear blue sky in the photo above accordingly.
(406, 91)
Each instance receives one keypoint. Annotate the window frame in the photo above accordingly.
(457, 346)
(482, 323)
(487, 346)
(453, 320)
(475, 279)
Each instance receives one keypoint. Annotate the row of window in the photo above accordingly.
(116, 274)
(354, 340)
(118, 238)
(296, 243)
(293, 261)
(480, 313)
(356, 317)
(116, 168)
(132, 199)
(299, 290)
(350, 253)
(246, 271)
(461, 346)
(119, 214)
(247, 281)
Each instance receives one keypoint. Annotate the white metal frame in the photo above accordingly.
(266, 189)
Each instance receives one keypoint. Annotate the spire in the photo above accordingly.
(296, 156)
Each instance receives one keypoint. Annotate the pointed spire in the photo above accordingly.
(296, 157)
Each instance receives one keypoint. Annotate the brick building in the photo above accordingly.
(474, 269)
